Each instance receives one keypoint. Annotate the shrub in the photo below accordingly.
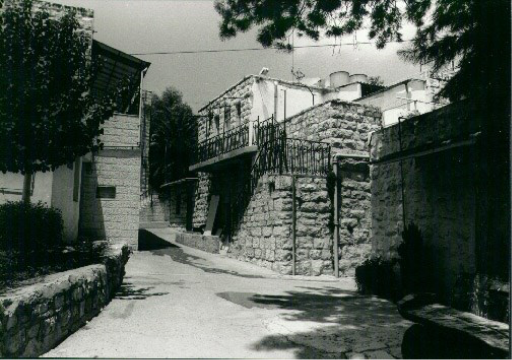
(27, 228)
(415, 263)
(378, 277)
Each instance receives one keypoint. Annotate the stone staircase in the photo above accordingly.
(153, 211)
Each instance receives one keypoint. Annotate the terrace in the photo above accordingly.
(234, 145)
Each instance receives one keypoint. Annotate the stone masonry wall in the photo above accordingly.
(265, 233)
(121, 130)
(447, 195)
(264, 236)
(346, 126)
(236, 102)
(34, 318)
(117, 219)
(201, 200)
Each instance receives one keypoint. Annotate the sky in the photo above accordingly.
(142, 26)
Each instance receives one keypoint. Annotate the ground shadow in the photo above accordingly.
(128, 291)
(150, 241)
(176, 253)
(342, 322)
(345, 323)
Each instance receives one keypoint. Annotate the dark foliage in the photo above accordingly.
(331, 191)
(378, 277)
(173, 138)
(415, 262)
(17, 266)
(48, 115)
(29, 227)
(474, 34)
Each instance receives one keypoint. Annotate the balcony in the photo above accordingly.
(233, 145)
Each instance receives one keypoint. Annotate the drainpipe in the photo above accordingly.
(275, 100)
(407, 96)
(294, 225)
(336, 220)
(401, 168)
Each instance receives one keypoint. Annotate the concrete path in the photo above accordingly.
(181, 302)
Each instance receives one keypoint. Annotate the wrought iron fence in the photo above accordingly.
(293, 156)
(232, 139)
(306, 157)
(283, 155)
(266, 131)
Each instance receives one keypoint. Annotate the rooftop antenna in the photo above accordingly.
(297, 74)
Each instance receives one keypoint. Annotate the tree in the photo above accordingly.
(475, 34)
(48, 115)
(173, 138)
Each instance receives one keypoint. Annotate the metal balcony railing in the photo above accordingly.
(227, 141)
(236, 138)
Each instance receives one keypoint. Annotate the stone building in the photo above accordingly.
(447, 172)
(266, 148)
(98, 194)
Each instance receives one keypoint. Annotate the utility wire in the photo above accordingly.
(256, 49)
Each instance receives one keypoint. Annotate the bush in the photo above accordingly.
(26, 228)
(377, 276)
(415, 263)
(16, 266)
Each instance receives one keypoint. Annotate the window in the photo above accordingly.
(239, 112)
(227, 117)
(217, 122)
(106, 192)
(76, 180)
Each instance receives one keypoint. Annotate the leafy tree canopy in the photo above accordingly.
(475, 34)
(48, 116)
(173, 131)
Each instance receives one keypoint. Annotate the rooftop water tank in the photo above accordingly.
(358, 78)
(339, 78)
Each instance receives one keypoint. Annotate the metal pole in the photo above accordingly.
(336, 221)
(294, 225)
(401, 170)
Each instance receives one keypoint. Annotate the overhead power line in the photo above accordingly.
(255, 49)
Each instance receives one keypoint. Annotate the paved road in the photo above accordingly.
(181, 302)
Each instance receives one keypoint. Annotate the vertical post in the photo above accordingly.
(401, 170)
(294, 225)
(336, 220)
(276, 95)
(27, 182)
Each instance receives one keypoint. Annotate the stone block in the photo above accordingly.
(304, 242)
(315, 254)
(11, 321)
(267, 231)
(320, 243)
(326, 255)
(257, 253)
(33, 348)
(14, 343)
(33, 331)
(281, 231)
(302, 254)
(303, 267)
(285, 243)
(283, 255)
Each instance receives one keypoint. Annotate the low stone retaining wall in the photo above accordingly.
(209, 244)
(36, 317)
